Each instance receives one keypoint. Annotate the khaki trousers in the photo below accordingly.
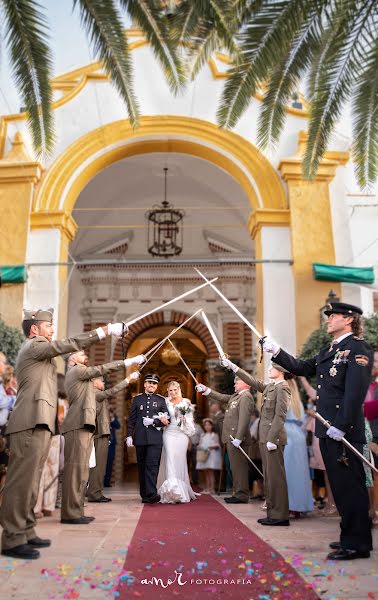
(275, 485)
(97, 474)
(239, 467)
(77, 450)
(28, 453)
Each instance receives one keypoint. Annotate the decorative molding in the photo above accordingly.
(267, 218)
(17, 166)
(58, 219)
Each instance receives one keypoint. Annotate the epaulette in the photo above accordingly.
(360, 339)
(138, 395)
(160, 396)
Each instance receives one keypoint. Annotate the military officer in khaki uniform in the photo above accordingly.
(102, 435)
(272, 438)
(239, 407)
(78, 430)
(31, 424)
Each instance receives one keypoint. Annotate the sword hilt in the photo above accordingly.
(261, 342)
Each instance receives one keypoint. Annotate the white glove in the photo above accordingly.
(116, 329)
(225, 362)
(133, 376)
(236, 442)
(135, 360)
(147, 421)
(129, 441)
(270, 346)
(335, 434)
(203, 389)
(271, 446)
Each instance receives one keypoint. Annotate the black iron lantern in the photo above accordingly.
(165, 231)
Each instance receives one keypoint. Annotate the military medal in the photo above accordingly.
(333, 371)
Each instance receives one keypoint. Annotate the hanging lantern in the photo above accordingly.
(165, 231)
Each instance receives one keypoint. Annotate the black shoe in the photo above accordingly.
(235, 500)
(335, 545)
(79, 521)
(90, 519)
(276, 522)
(108, 485)
(258, 497)
(144, 500)
(37, 542)
(345, 554)
(23, 551)
(102, 499)
(152, 499)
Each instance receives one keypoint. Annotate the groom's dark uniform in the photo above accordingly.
(148, 441)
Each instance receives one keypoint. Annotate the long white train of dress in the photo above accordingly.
(173, 480)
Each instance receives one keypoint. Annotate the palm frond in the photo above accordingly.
(365, 122)
(27, 41)
(268, 36)
(151, 19)
(285, 79)
(103, 24)
(338, 71)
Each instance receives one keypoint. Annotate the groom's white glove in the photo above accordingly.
(147, 421)
(225, 362)
(129, 441)
(270, 346)
(335, 434)
(205, 391)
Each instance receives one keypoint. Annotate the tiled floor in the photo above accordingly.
(86, 561)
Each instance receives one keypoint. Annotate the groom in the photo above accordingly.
(145, 433)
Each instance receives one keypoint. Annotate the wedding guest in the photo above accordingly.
(210, 441)
(295, 455)
(192, 451)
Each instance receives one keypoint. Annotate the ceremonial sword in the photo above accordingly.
(212, 333)
(347, 443)
(162, 306)
(240, 315)
(157, 346)
(183, 362)
(248, 458)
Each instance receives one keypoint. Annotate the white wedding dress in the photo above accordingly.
(173, 480)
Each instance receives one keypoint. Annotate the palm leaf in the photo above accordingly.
(338, 71)
(365, 122)
(285, 79)
(26, 39)
(268, 36)
(103, 24)
(151, 19)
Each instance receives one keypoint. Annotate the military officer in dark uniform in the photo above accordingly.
(343, 374)
(145, 432)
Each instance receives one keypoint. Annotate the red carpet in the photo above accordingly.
(213, 553)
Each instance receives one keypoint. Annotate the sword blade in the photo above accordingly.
(183, 361)
(153, 310)
(157, 346)
(227, 301)
(348, 444)
(212, 333)
(248, 458)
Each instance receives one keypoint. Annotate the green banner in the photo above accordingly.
(361, 275)
(13, 274)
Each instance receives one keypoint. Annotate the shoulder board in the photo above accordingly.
(137, 396)
(360, 339)
(160, 396)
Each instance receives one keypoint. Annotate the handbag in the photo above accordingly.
(202, 454)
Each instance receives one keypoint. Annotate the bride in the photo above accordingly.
(173, 480)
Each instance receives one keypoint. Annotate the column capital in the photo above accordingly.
(291, 168)
(58, 219)
(268, 217)
(17, 166)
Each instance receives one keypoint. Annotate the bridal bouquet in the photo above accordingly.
(184, 414)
